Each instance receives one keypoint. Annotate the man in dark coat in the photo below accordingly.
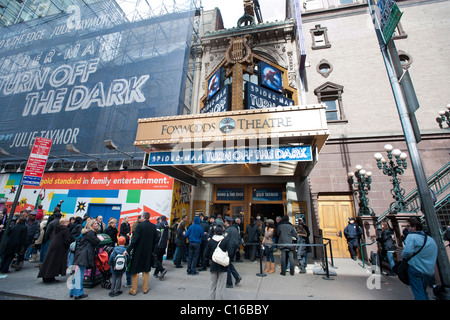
(286, 234)
(252, 233)
(17, 236)
(55, 262)
(141, 250)
(352, 233)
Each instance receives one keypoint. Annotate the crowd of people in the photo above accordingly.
(55, 243)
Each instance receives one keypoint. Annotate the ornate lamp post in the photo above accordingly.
(393, 169)
(444, 116)
(362, 185)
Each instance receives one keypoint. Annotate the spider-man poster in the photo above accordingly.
(214, 84)
(271, 77)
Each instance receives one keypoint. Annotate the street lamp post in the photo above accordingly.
(393, 169)
(362, 185)
(444, 116)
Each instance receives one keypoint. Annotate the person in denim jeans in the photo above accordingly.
(268, 246)
(421, 266)
(194, 234)
(387, 245)
(84, 257)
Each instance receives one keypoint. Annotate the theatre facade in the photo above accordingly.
(251, 144)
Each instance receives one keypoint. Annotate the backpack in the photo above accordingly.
(120, 262)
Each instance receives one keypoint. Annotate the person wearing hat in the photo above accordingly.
(352, 233)
(33, 231)
(116, 275)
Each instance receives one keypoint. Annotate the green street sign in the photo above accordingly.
(391, 23)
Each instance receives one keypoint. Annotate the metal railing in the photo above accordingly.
(438, 183)
(325, 265)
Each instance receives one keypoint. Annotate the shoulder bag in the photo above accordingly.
(220, 257)
(401, 267)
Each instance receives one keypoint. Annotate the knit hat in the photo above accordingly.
(121, 241)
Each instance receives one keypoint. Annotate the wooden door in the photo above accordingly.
(334, 212)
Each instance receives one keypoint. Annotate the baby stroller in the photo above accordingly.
(101, 262)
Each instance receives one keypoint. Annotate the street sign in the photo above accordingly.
(388, 16)
(37, 161)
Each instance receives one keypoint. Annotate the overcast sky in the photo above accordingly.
(232, 10)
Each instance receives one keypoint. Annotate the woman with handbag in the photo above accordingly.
(218, 272)
(421, 252)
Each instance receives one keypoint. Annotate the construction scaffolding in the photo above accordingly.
(88, 73)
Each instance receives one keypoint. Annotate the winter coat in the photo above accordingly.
(352, 231)
(142, 247)
(51, 225)
(55, 262)
(17, 235)
(234, 240)
(163, 229)
(180, 239)
(425, 260)
(195, 233)
(85, 250)
(286, 234)
(209, 250)
(112, 233)
(33, 231)
(125, 230)
(116, 251)
(387, 243)
(252, 233)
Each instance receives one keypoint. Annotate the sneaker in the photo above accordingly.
(81, 297)
(238, 280)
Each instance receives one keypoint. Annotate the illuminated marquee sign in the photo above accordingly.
(258, 97)
(219, 103)
(230, 156)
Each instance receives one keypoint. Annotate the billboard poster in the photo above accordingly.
(133, 191)
(219, 103)
(214, 83)
(258, 97)
(82, 78)
(181, 201)
(270, 77)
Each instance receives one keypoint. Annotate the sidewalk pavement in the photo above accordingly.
(350, 282)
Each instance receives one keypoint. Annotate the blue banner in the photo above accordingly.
(230, 156)
(267, 194)
(230, 194)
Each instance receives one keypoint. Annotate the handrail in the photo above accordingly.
(362, 251)
(438, 182)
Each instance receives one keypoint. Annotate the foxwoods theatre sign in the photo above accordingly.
(230, 156)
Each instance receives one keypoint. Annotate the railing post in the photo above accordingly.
(261, 272)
